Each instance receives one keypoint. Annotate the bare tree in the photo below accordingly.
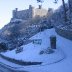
(70, 10)
(40, 1)
(65, 15)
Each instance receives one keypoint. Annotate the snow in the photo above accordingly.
(31, 51)
(59, 61)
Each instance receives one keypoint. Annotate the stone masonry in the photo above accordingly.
(29, 13)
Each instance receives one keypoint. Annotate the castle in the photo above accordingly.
(29, 13)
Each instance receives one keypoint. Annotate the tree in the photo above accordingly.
(70, 5)
(55, 1)
(70, 10)
(3, 46)
(65, 15)
(40, 1)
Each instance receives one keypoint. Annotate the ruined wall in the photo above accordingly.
(29, 13)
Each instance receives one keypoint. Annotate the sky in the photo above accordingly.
(6, 7)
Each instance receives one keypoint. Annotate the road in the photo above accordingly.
(4, 68)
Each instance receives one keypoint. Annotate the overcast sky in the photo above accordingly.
(6, 7)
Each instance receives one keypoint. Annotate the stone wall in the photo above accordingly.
(64, 33)
(39, 12)
(29, 13)
(23, 14)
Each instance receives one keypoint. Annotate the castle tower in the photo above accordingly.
(40, 6)
(15, 13)
(30, 11)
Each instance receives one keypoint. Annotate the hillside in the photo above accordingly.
(20, 31)
(15, 32)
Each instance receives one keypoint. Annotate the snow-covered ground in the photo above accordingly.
(31, 53)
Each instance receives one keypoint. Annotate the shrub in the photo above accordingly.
(3, 46)
(41, 52)
(47, 51)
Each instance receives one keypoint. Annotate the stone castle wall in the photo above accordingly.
(40, 12)
(29, 13)
(22, 14)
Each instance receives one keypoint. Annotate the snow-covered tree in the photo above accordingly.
(65, 15)
(70, 5)
(70, 10)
